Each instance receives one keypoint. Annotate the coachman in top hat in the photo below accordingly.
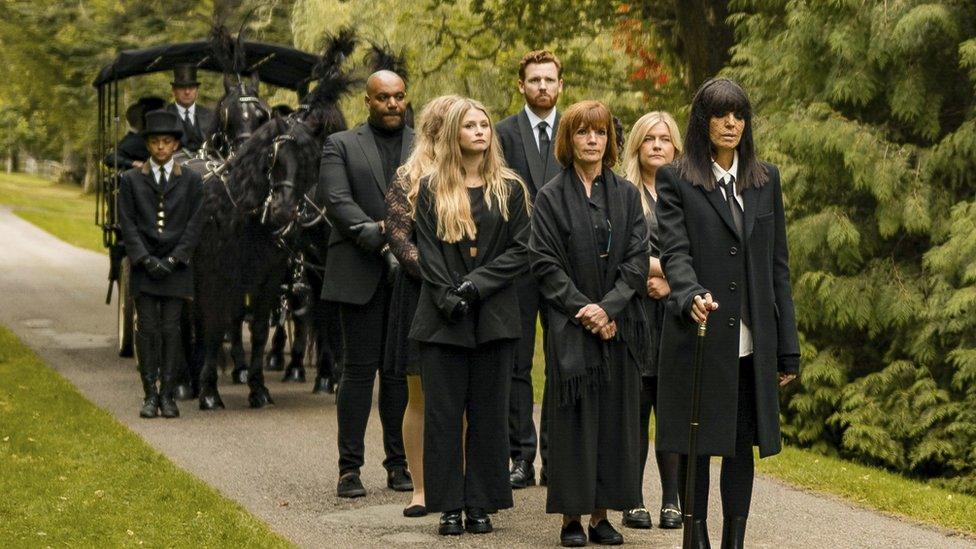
(195, 119)
(160, 214)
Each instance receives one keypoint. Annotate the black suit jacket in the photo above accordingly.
(701, 252)
(353, 189)
(522, 154)
(502, 256)
(182, 222)
(193, 136)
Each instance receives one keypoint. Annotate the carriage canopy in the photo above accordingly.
(274, 64)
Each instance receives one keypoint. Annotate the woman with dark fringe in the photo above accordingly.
(724, 253)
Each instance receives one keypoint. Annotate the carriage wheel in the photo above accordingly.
(126, 311)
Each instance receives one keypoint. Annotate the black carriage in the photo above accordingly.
(274, 64)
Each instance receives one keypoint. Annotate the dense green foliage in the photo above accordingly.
(868, 110)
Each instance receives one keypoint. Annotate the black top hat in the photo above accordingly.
(163, 122)
(185, 75)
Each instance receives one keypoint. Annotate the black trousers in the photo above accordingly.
(459, 381)
(363, 336)
(159, 346)
(738, 471)
(521, 426)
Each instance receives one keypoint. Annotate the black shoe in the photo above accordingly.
(415, 511)
(398, 479)
(451, 524)
(605, 534)
(637, 518)
(734, 533)
(476, 521)
(522, 475)
(350, 486)
(168, 409)
(670, 517)
(572, 535)
(699, 535)
(150, 407)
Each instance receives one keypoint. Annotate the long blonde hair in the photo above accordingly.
(451, 203)
(421, 159)
(635, 139)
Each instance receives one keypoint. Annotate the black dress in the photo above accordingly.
(592, 250)
(653, 308)
(401, 351)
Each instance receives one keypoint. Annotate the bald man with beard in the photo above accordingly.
(357, 166)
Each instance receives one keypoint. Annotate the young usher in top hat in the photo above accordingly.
(163, 122)
(185, 75)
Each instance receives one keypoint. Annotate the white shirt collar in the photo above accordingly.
(721, 173)
(155, 168)
(183, 110)
(534, 120)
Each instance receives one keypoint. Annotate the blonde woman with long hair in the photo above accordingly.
(472, 229)
(401, 353)
(653, 142)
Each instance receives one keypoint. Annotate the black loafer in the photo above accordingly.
(451, 524)
(637, 518)
(670, 517)
(522, 475)
(572, 535)
(415, 511)
(398, 479)
(605, 534)
(350, 486)
(476, 521)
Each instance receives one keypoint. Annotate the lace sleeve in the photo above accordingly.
(399, 228)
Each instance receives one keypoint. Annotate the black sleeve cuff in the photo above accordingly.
(789, 365)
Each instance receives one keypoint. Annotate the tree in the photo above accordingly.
(869, 111)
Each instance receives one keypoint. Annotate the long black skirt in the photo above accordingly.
(594, 443)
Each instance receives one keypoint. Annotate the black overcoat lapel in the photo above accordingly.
(717, 199)
(536, 167)
(372, 153)
(750, 199)
(174, 180)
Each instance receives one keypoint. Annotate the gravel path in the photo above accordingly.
(280, 462)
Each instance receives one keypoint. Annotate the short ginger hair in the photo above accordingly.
(539, 57)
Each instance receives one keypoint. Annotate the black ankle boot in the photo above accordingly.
(734, 533)
(699, 535)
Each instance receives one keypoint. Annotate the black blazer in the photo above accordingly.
(502, 256)
(522, 154)
(182, 222)
(701, 252)
(353, 189)
(194, 135)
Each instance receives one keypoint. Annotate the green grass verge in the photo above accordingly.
(71, 475)
(62, 210)
(870, 487)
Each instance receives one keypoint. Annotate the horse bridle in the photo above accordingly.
(246, 100)
(306, 203)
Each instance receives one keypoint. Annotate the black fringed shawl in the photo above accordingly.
(567, 265)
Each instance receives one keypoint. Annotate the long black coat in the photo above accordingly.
(194, 135)
(502, 256)
(177, 236)
(522, 154)
(701, 252)
(353, 189)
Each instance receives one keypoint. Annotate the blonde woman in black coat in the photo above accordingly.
(472, 228)
(724, 252)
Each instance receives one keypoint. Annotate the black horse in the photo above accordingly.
(246, 261)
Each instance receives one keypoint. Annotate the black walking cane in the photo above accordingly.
(688, 514)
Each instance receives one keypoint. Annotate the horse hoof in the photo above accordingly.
(239, 376)
(183, 392)
(295, 375)
(211, 402)
(275, 363)
(259, 397)
(324, 385)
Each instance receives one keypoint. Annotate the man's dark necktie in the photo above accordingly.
(186, 118)
(544, 141)
(737, 219)
(162, 178)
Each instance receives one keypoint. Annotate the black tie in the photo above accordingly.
(544, 141)
(186, 118)
(162, 177)
(737, 219)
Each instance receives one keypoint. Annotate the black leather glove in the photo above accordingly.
(467, 291)
(392, 265)
(369, 235)
(157, 268)
(460, 310)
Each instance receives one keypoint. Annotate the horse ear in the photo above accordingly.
(228, 83)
